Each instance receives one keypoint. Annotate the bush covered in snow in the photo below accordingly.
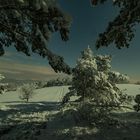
(137, 105)
(26, 92)
(137, 83)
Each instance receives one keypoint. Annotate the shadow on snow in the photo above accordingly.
(65, 125)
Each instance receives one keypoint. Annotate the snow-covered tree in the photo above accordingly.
(91, 82)
(90, 79)
(103, 63)
(26, 91)
(85, 74)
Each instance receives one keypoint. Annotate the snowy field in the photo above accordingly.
(50, 94)
(41, 119)
(131, 89)
(55, 94)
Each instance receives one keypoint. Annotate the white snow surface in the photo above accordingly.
(50, 94)
(131, 89)
(55, 94)
(43, 109)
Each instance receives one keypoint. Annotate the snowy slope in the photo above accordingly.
(49, 94)
(55, 94)
(41, 120)
(131, 89)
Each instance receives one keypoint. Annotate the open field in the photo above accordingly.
(131, 89)
(50, 94)
(55, 94)
(43, 119)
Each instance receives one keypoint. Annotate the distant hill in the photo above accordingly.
(16, 81)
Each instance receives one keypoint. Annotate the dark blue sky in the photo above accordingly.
(87, 23)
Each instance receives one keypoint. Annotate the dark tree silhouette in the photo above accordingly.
(28, 24)
(121, 30)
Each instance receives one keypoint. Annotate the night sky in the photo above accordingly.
(87, 23)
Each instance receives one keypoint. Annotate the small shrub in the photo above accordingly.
(26, 92)
(137, 83)
(137, 105)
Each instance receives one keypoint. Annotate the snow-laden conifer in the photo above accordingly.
(95, 87)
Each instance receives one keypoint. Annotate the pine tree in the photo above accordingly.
(121, 30)
(98, 94)
(84, 74)
(28, 24)
(90, 79)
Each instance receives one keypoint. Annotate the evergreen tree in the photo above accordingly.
(121, 30)
(84, 75)
(28, 24)
(90, 79)
(98, 94)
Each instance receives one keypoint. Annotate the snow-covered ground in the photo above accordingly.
(55, 94)
(32, 120)
(131, 89)
(50, 94)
